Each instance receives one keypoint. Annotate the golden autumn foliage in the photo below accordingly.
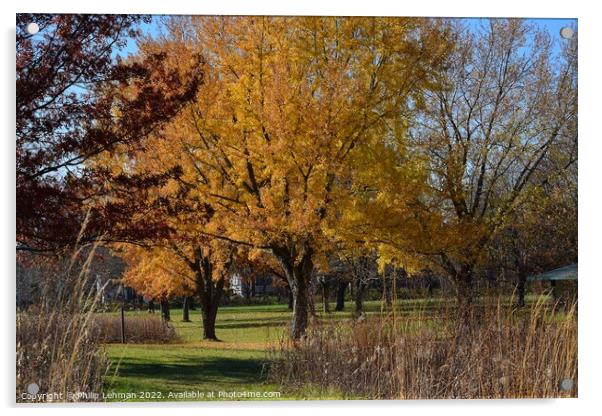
(285, 102)
(157, 273)
(269, 143)
(313, 134)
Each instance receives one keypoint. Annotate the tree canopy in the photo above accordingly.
(290, 143)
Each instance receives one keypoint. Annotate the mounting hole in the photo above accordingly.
(33, 388)
(32, 28)
(566, 384)
(567, 32)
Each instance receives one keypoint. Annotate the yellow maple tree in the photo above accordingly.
(268, 144)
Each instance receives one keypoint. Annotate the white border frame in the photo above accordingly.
(589, 205)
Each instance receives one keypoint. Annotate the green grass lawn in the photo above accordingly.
(236, 364)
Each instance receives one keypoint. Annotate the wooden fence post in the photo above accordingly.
(122, 325)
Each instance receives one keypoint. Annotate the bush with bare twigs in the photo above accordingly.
(56, 348)
(138, 329)
(501, 353)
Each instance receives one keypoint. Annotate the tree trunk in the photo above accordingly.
(298, 271)
(387, 289)
(209, 314)
(210, 298)
(209, 317)
(151, 306)
(300, 312)
(186, 309)
(464, 293)
(165, 310)
(210, 292)
(430, 287)
(311, 297)
(342, 287)
(520, 289)
(290, 298)
(325, 305)
(246, 289)
(461, 278)
(360, 289)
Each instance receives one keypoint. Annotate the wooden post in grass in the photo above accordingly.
(122, 290)
(122, 324)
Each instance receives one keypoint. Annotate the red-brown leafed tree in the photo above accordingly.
(74, 100)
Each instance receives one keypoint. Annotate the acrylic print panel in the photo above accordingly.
(283, 208)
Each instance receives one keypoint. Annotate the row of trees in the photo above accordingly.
(288, 144)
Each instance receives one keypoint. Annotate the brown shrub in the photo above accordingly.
(138, 329)
(502, 353)
(56, 348)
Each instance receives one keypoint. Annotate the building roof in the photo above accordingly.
(563, 273)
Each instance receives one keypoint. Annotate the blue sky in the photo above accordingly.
(552, 25)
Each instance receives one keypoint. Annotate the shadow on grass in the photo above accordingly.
(242, 325)
(255, 309)
(252, 322)
(195, 371)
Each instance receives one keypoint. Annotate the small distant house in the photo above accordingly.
(563, 281)
(259, 286)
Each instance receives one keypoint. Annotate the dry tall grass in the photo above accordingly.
(56, 348)
(502, 353)
(138, 329)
